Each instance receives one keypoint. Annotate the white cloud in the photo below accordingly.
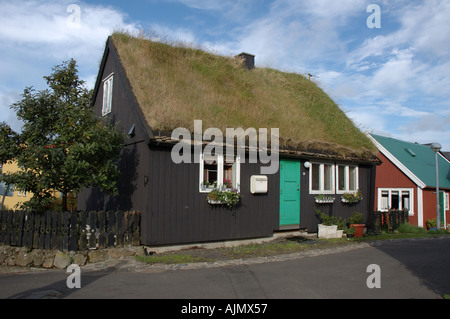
(37, 35)
(46, 24)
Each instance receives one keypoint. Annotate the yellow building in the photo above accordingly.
(19, 197)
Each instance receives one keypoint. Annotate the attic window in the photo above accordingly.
(107, 94)
(410, 152)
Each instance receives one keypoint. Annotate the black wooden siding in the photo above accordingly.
(179, 213)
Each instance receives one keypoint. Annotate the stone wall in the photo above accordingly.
(55, 259)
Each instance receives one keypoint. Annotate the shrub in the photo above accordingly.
(356, 218)
(411, 229)
(331, 220)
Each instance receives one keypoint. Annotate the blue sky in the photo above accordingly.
(393, 80)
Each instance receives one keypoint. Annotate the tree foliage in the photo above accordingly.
(63, 146)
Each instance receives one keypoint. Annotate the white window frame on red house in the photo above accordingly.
(401, 192)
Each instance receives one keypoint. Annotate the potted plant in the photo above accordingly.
(331, 226)
(350, 231)
(431, 224)
(355, 221)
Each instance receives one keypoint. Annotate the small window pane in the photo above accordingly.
(341, 181)
(210, 172)
(228, 176)
(384, 204)
(395, 199)
(352, 182)
(315, 178)
(405, 200)
(328, 177)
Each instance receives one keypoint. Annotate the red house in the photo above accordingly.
(407, 180)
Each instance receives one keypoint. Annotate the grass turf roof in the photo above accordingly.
(175, 85)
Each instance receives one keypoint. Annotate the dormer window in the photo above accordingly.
(107, 94)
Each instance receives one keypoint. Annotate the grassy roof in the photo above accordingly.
(176, 85)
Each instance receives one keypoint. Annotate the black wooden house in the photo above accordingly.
(148, 89)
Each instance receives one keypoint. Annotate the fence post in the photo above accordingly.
(102, 229)
(136, 229)
(92, 222)
(82, 241)
(3, 218)
(66, 229)
(121, 227)
(74, 231)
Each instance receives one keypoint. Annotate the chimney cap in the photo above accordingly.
(249, 60)
(245, 53)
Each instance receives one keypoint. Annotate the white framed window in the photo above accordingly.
(396, 198)
(107, 94)
(22, 193)
(218, 172)
(347, 178)
(322, 178)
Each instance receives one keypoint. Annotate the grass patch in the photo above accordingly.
(171, 259)
(264, 250)
(411, 229)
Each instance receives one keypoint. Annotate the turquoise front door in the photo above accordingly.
(289, 193)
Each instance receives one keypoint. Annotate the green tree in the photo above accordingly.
(63, 146)
(8, 143)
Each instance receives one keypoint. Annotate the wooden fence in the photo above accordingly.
(70, 231)
(389, 220)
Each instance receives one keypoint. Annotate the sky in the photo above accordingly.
(385, 63)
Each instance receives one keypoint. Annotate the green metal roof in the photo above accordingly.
(419, 159)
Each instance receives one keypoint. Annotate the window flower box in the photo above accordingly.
(324, 199)
(351, 198)
(226, 197)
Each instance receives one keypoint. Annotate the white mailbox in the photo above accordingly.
(259, 184)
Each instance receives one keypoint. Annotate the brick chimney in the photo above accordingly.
(249, 60)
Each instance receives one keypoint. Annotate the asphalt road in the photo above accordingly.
(418, 269)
